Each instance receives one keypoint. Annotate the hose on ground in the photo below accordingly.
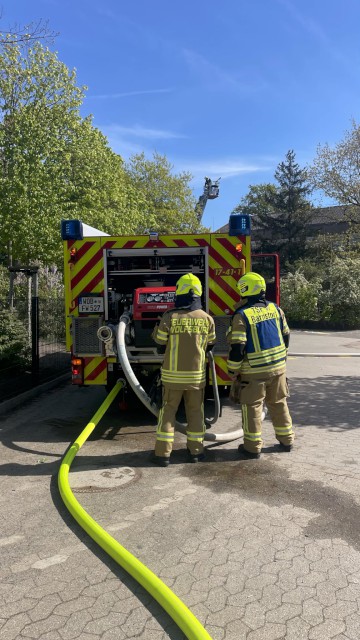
(178, 611)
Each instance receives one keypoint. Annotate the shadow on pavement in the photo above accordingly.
(327, 402)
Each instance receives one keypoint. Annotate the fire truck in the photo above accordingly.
(106, 276)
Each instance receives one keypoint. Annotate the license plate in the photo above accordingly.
(91, 304)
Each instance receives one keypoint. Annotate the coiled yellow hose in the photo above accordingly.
(178, 611)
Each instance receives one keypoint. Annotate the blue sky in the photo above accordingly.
(223, 89)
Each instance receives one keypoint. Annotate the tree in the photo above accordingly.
(300, 296)
(169, 205)
(39, 107)
(341, 292)
(291, 207)
(54, 164)
(98, 188)
(281, 211)
(336, 172)
(27, 34)
(257, 203)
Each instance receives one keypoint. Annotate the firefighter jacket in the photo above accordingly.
(258, 338)
(186, 335)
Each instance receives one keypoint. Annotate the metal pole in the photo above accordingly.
(35, 325)
(29, 307)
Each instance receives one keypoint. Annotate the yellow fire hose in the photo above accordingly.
(178, 611)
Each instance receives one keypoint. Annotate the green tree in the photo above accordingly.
(258, 203)
(55, 164)
(168, 201)
(98, 189)
(14, 344)
(281, 211)
(300, 296)
(336, 172)
(39, 103)
(341, 292)
(292, 208)
(28, 34)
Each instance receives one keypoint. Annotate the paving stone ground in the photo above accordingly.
(258, 550)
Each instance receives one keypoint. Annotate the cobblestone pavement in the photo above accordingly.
(259, 550)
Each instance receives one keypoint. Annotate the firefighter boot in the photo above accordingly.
(249, 455)
(161, 461)
(198, 457)
(285, 447)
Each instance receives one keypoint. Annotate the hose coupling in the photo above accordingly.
(105, 333)
(126, 317)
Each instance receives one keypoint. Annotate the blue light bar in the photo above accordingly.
(239, 224)
(71, 230)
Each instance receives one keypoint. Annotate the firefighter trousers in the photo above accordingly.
(253, 394)
(194, 409)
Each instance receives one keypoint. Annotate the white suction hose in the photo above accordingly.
(211, 421)
(142, 395)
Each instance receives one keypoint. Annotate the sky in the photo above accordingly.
(223, 89)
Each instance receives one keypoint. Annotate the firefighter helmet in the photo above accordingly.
(251, 284)
(188, 282)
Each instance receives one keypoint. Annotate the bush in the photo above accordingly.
(299, 297)
(341, 293)
(4, 282)
(329, 295)
(14, 347)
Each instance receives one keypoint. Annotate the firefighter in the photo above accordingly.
(184, 334)
(259, 339)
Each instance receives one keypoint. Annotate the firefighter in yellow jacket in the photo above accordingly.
(259, 338)
(186, 333)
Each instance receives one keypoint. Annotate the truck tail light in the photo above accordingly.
(77, 371)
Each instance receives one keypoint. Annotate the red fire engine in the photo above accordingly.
(106, 275)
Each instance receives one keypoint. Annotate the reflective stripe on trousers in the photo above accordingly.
(194, 409)
(274, 392)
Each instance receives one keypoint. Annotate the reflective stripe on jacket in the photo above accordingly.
(186, 335)
(261, 329)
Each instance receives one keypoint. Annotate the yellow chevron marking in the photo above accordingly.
(90, 367)
(169, 241)
(82, 286)
(220, 363)
(232, 260)
(140, 242)
(100, 380)
(92, 364)
(79, 265)
(214, 309)
(228, 300)
(81, 262)
(188, 240)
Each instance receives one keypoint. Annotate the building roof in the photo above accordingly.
(320, 216)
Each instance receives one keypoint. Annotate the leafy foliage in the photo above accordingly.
(280, 212)
(14, 348)
(327, 292)
(39, 104)
(257, 203)
(299, 297)
(168, 203)
(336, 172)
(4, 283)
(56, 165)
(341, 292)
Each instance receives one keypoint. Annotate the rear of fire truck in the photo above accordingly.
(106, 276)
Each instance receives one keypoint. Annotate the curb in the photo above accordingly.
(32, 393)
